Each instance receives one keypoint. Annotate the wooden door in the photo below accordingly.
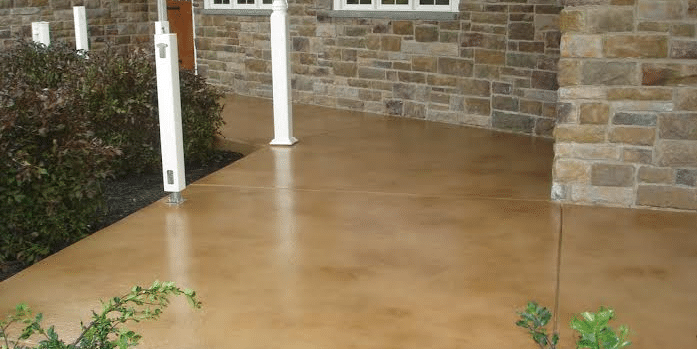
(179, 16)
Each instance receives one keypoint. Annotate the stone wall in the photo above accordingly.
(626, 129)
(124, 23)
(492, 66)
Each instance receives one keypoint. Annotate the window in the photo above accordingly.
(238, 4)
(397, 5)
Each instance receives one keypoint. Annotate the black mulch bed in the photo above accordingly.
(127, 195)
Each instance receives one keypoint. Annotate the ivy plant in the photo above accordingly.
(105, 330)
(593, 329)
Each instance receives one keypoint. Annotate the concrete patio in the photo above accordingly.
(376, 232)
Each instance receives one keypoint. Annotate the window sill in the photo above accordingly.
(236, 12)
(423, 15)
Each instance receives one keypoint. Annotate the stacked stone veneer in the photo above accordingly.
(626, 129)
(492, 66)
(123, 23)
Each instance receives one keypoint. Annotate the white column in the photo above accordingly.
(40, 33)
(281, 75)
(169, 106)
(82, 41)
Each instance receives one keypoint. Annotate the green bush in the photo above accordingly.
(66, 123)
(51, 165)
(105, 331)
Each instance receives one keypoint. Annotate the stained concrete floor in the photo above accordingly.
(374, 232)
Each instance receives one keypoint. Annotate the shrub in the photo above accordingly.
(67, 122)
(51, 164)
(104, 331)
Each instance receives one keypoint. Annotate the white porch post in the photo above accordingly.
(170, 113)
(281, 72)
(81, 39)
(40, 33)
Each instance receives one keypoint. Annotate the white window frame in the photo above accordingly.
(412, 6)
(233, 5)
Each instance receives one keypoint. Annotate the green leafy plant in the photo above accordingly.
(105, 331)
(593, 328)
(67, 123)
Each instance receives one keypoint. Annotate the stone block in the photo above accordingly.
(474, 120)
(637, 155)
(418, 78)
(571, 171)
(455, 66)
(501, 88)
(393, 107)
(677, 126)
(489, 18)
(403, 27)
(414, 110)
(424, 63)
(609, 73)
(544, 80)
(580, 133)
(373, 42)
(608, 175)
(347, 69)
(489, 57)
(663, 74)
(659, 10)
(391, 43)
(545, 22)
(479, 106)
(531, 107)
(482, 40)
(656, 175)
(594, 113)
(632, 135)
(474, 87)
(426, 33)
(404, 91)
(521, 31)
(513, 122)
(569, 73)
(572, 20)
(532, 47)
(433, 48)
(622, 196)
(640, 94)
(610, 20)
(635, 119)
(544, 127)
(371, 73)
(636, 46)
(594, 152)
(686, 177)
(522, 60)
(666, 197)
(581, 45)
(505, 103)
(683, 49)
(685, 99)
(671, 153)
(441, 80)
(582, 92)
(257, 65)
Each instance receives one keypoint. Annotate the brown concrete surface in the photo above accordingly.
(374, 232)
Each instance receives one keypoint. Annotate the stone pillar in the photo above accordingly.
(626, 128)
(281, 75)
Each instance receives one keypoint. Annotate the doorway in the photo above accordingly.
(179, 14)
